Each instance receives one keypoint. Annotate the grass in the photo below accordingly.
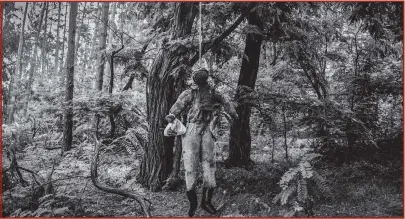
(357, 192)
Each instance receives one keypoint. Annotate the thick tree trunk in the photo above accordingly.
(68, 128)
(240, 137)
(56, 63)
(101, 46)
(14, 88)
(162, 92)
(33, 66)
(173, 182)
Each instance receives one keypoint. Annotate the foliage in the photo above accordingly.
(298, 185)
(330, 74)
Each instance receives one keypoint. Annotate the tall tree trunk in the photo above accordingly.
(44, 39)
(56, 63)
(68, 127)
(86, 49)
(79, 33)
(101, 46)
(33, 66)
(240, 137)
(63, 46)
(110, 90)
(110, 41)
(14, 88)
(162, 91)
(285, 133)
(47, 51)
(94, 37)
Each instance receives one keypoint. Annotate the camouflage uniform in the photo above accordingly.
(198, 141)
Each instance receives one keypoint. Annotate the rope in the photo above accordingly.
(200, 23)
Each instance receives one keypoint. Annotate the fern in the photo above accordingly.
(296, 195)
(286, 194)
(302, 191)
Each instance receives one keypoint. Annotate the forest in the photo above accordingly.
(317, 86)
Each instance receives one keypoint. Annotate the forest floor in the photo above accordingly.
(357, 190)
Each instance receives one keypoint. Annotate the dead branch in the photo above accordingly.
(94, 174)
(14, 166)
(32, 173)
(52, 148)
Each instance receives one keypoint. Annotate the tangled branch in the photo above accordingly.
(94, 174)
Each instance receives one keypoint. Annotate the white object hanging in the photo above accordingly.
(175, 126)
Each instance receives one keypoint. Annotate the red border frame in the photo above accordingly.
(1, 85)
(1, 107)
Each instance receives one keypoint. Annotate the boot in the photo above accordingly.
(206, 200)
(192, 198)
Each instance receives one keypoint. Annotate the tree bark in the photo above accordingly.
(110, 90)
(94, 37)
(56, 63)
(79, 32)
(14, 90)
(87, 47)
(162, 91)
(102, 45)
(33, 66)
(47, 52)
(44, 39)
(240, 136)
(285, 133)
(63, 46)
(110, 40)
(68, 128)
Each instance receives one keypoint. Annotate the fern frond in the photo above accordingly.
(321, 183)
(287, 177)
(302, 191)
(305, 169)
(277, 197)
(310, 156)
(287, 193)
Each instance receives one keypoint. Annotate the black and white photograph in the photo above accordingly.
(202, 109)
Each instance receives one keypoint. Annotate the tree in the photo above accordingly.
(166, 80)
(157, 161)
(102, 45)
(79, 32)
(94, 36)
(56, 65)
(110, 43)
(63, 43)
(239, 137)
(33, 66)
(18, 72)
(68, 127)
(44, 40)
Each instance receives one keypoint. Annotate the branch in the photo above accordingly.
(93, 172)
(219, 39)
(32, 173)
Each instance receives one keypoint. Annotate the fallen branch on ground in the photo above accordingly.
(93, 171)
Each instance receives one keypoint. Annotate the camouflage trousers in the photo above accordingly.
(199, 147)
